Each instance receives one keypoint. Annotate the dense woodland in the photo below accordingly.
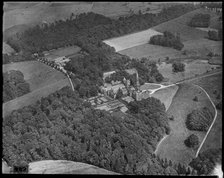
(200, 20)
(168, 40)
(199, 119)
(178, 66)
(215, 35)
(206, 161)
(120, 75)
(62, 126)
(14, 85)
(192, 141)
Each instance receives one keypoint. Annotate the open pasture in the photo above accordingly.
(165, 95)
(66, 51)
(131, 40)
(192, 69)
(37, 74)
(180, 25)
(203, 46)
(173, 146)
(152, 52)
(210, 84)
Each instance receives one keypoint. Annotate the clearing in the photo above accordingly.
(66, 51)
(173, 146)
(131, 40)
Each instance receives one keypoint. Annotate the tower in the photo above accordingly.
(138, 85)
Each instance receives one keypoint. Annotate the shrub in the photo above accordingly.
(199, 119)
(192, 141)
(178, 67)
(219, 105)
(200, 20)
(167, 39)
(195, 99)
(218, 96)
(171, 118)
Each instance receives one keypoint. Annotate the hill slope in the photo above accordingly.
(65, 167)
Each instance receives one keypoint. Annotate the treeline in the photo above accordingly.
(212, 4)
(215, 35)
(89, 25)
(17, 58)
(199, 119)
(62, 126)
(206, 161)
(147, 70)
(168, 40)
(200, 20)
(14, 85)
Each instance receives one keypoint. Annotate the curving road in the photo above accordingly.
(210, 125)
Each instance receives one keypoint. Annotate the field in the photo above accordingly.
(152, 52)
(66, 51)
(179, 25)
(173, 146)
(192, 68)
(65, 167)
(43, 80)
(201, 47)
(195, 40)
(166, 95)
(210, 84)
(131, 40)
(35, 73)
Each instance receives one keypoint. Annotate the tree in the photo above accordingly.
(192, 141)
(219, 105)
(195, 99)
(178, 67)
(119, 94)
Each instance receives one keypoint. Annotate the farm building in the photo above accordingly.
(61, 60)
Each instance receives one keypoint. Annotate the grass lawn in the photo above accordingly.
(210, 84)
(192, 68)
(166, 95)
(152, 52)
(173, 146)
